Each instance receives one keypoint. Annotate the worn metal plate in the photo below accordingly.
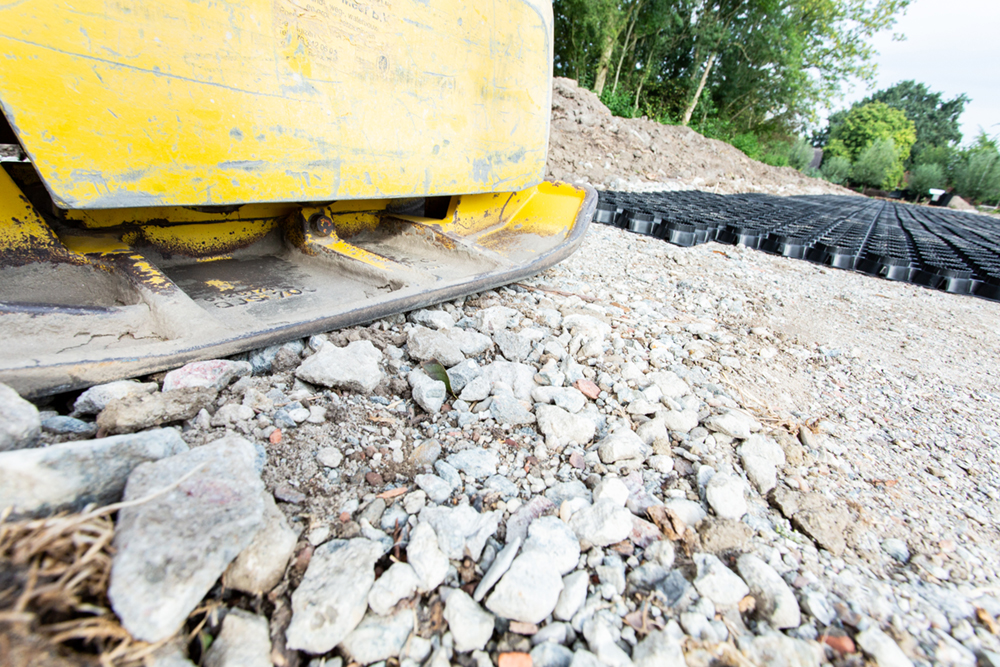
(124, 104)
(83, 306)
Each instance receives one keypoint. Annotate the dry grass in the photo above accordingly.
(54, 576)
(60, 568)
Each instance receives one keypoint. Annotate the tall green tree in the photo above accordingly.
(936, 119)
(746, 63)
(867, 125)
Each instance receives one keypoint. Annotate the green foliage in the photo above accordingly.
(748, 143)
(775, 157)
(977, 173)
(936, 121)
(923, 177)
(867, 125)
(836, 169)
(619, 102)
(800, 155)
(773, 61)
(876, 164)
(942, 155)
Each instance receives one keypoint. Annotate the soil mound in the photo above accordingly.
(587, 143)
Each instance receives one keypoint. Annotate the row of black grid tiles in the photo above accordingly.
(938, 248)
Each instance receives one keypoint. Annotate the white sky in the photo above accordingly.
(952, 46)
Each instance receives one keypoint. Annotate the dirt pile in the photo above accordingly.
(588, 143)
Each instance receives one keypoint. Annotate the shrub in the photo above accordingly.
(836, 169)
(876, 165)
(865, 126)
(977, 177)
(748, 143)
(620, 103)
(923, 177)
(800, 155)
(776, 157)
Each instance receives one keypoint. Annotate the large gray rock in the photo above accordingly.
(424, 555)
(171, 550)
(245, 641)
(333, 595)
(497, 569)
(562, 428)
(529, 590)
(681, 421)
(261, 565)
(214, 374)
(434, 319)
(622, 445)
(97, 398)
(519, 378)
(717, 582)
(513, 346)
(508, 409)
(354, 367)
(551, 654)
(778, 650)
(378, 638)
(549, 535)
(470, 626)
(761, 457)
(733, 423)
(461, 529)
(436, 488)
(475, 462)
(659, 649)
(725, 495)
(447, 346)
(603, 523)
(573, 595)
(569, 399)
(428, 393)
(495, 318)
(69, 476)
(461, 375)
(398, 582)
(600, 635)
(669, 384)
(775, 600)
(138, 412)
(883, 648)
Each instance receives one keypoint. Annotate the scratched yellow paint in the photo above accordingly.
(188, 103)
(544, 210)
(220, 285)
(24, 235)
(200, 240)
(114, 217)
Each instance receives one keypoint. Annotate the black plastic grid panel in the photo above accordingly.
(955, 251)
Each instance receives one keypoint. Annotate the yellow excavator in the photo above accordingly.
(187, 179)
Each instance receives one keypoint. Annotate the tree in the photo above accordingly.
(752, 64)
(875, 165)
(866, 125)
(923, 177)
(935, 119)
(977, 174)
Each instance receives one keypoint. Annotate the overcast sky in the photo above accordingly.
(953, 46)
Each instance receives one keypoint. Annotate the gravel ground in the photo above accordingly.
(645, 455)
(823, 443)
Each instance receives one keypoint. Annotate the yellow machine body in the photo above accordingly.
(188, 179)
(186, 103)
